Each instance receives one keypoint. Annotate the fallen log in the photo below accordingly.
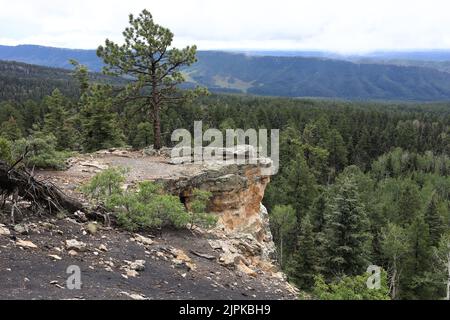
(41, 193)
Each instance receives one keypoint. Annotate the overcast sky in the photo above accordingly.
(336, 25)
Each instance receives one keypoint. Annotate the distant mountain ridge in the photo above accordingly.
(290, 76)
(50, 57)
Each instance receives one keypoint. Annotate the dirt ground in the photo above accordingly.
(31, 273)
(140, 168)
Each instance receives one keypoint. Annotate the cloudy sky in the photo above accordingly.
(343, 26)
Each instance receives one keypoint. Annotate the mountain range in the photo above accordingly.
(381, 76)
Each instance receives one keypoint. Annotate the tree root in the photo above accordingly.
(45, 195)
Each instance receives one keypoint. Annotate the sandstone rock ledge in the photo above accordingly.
(242, 238)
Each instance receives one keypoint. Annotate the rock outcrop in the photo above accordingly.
(237, 193)
(242, 237)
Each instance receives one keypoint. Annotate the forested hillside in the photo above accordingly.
(312, 77)
(20, 81)
(289, 76)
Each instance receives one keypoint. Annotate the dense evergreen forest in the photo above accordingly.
(21, 81)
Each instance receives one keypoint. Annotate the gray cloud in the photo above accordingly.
(344, 26)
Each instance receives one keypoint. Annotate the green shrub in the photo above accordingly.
(42, 151)
(105, 184)
(148, 207)
(144, 207)
(5, 150)
(350, 288)
(199, 216)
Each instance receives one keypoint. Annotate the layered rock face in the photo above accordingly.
(237, 191)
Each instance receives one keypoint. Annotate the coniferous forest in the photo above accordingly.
(362, 183)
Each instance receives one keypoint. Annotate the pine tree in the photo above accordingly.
(408, 203)
(299, 185)
(154, 67)
(434, 221)
(99, 124)
(305, 261)
(338, 151)
(347, 231)
(416, 282)
(144, 135)
(57, 121)
(10, 130)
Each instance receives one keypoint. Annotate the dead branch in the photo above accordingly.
(41, 194)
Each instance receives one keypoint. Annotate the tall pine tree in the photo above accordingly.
(347, 231)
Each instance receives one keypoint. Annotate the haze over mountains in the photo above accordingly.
(420, 76)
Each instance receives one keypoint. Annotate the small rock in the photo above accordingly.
(181, 256)
(132, 273)
(91, 228)
(134, 296)
(103, 248)
(138, 265)
(21, 229)
(75, 245)
(55, 257)
(144, 240)
(203, 255)
(109, 263)
(72, 253)
(47, 225)
(81, 216)
(243, 268)
(26, 244)
(4, 231)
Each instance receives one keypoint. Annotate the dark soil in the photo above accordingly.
(27, 273)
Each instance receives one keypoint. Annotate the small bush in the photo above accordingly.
(41, 152)
(148, 207)
(144, 207)
(105, 184)
(350, 288)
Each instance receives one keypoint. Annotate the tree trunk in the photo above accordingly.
(281, 252)
(448, 278)
(157, 129)
(156, 104)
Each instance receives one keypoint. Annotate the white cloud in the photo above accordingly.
(345, 25)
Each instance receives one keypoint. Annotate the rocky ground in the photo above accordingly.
(230, 262)
(35, 256)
